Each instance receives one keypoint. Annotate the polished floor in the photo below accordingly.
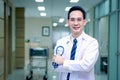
(20, 74)
(40, 67)
(38, 73)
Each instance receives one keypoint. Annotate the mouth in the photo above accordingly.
(76, 28)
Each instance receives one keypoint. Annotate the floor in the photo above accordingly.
(20, 74)
(38, 73)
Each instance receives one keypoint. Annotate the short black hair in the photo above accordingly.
(74, 8)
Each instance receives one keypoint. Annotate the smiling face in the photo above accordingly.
(76, 23)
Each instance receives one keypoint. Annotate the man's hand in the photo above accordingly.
(58, 59)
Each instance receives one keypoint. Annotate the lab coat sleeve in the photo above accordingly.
(88, 60)
(60, 68)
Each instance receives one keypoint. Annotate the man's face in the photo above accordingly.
(76, 22)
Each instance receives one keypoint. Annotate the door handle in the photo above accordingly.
(118, 54)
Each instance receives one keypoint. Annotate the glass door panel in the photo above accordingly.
(112, 48)
(103, 44)
(119, 49)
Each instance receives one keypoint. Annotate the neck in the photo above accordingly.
(76, 35)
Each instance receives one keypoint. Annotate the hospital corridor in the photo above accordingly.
(30, 29)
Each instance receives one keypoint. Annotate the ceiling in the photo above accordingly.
(55, 9)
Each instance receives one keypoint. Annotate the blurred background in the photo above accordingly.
(33, 26)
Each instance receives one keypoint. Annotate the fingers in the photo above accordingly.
(57, 59)
(53, 59)
(58, 54)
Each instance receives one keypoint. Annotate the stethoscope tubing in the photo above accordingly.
(62, 49)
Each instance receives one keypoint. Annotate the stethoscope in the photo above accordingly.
(59, 51)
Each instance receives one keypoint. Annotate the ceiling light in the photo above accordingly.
(66, 25)
(54, 24)
(39, 0)
(74, 1)
(42, 14)
(41, 8)
(61, 20)
(67, 8)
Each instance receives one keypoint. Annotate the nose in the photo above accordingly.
(76, 22)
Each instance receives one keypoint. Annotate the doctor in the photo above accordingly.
(79, 66)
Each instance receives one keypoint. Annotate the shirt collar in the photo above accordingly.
(81, 37)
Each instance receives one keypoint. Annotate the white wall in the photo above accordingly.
(59, 32)
(33, 32)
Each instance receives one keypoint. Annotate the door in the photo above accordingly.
(1, 40)
(119, 49)
(113, 46)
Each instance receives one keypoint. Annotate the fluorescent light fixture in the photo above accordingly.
(41, 8)
(54, 24)
(54, 77)
(61, 20)
(67, 8)
(42, 14)
(66, 25)
(39, 0)
(74, 1)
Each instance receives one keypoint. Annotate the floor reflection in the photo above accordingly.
(20, 74)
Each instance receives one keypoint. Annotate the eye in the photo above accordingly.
(76, 19)
(79, 19)
(72, 19)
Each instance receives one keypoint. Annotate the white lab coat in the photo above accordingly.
(82, 68)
